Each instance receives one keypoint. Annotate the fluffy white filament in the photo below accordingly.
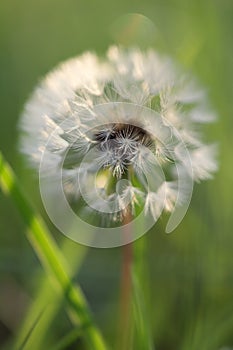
(65, 105)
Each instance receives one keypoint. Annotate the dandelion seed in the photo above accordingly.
(121, 117)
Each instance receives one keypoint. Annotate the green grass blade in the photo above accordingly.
(69, 339)
(45, 297)
(51, 257)
(143, 338)
(33, 325)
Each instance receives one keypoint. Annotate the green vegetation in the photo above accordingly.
(186, 301)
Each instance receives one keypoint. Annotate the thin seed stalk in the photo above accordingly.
(135, 323)
(125, 320)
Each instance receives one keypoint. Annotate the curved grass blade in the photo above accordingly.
(45, 296)
(51, 257)
(68, 340)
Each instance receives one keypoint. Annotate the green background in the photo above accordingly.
(191, 270)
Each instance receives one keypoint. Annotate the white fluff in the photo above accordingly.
(77, 111)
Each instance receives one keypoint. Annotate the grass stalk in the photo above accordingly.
(51, 257)
(48, 302)
(143, 338)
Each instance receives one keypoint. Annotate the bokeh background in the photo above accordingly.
(191, 270)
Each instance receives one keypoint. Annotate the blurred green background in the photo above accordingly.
(191, 270)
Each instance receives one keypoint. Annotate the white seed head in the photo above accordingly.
(131, 115)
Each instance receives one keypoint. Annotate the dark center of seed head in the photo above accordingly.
(116, 131)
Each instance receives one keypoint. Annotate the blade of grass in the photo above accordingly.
(51, 257)
(46, 297)
(143, 338)
(30, 331)
(69, 339)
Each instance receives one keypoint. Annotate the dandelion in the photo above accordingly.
(122, 129)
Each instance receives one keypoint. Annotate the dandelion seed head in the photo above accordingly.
(131, 115)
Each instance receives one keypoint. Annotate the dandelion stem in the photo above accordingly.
(51, 258)
(135, 325)
(125, 326)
